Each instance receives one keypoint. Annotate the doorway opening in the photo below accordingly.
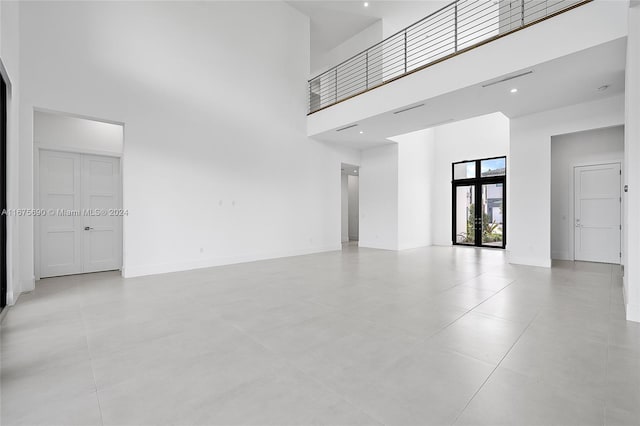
(3, 194)
(78, 184)
(586, 195)
(350, 205)
(479, 202)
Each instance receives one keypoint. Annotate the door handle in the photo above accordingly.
(88, 228)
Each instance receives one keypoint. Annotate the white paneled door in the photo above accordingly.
(597, 213)
(82, 228)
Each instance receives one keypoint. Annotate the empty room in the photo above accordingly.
(320, 212)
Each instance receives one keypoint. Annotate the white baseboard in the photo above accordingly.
(529, 261)
(163, 268)
(633, 312)
(28, 285)
(364, 244)
(413, 246)
(560, 255)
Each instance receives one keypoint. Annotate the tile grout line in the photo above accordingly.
(606, 362)
(494, 370)
(93, 373)
(474, 307)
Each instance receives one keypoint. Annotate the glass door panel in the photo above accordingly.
(492, 214)
(465, 230)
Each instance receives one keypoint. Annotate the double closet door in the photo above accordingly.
(479, 208)
(81, 223)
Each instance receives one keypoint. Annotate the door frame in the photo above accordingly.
(36, 194)
(572, 201)
(478, 181)
(4, 193)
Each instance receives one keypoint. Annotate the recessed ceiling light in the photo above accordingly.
(361, 131)
(603, 88)
(514, 90)
(366, 4)
(355, 171)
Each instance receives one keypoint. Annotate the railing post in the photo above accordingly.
(336, 86)
(522, 13)
(455, 25)
(366, 81)
(405, 51)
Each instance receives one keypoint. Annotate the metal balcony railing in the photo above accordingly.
(454, 29)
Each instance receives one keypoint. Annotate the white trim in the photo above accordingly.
(74, 115)
(74, 150)
(529, 261)
(633, 312)
(163, 268)
(10, 174)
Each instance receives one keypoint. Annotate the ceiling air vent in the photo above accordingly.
(348, 127)
(408, 109)
(511, 77)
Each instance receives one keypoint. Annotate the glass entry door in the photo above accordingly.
(479, 195)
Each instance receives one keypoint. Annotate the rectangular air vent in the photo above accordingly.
(408, 109)
(348, 127)
(511, 77)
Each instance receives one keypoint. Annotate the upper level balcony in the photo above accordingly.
(456, 28)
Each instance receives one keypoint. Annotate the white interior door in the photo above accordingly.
(101, 222)
(597, 213)
(82, 231)
(60, 234)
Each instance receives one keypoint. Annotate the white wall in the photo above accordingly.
(631, 252)
(10, 68)
(210, 137)
(398, 18)
(415, 182)
(344, 207)
(480, 137)
(363, 40)
(354, 209)
(529, 184)
(73, 133)
(567, 151)
(379, 197)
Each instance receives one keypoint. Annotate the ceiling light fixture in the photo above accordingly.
(355, 171)
(366, 4)
(361, 132)
(514, 90)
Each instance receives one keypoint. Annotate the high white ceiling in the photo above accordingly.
(565, 81)
(333, 22)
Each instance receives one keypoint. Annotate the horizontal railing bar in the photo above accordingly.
(445, 26)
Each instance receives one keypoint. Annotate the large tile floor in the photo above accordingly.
(433, 336)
